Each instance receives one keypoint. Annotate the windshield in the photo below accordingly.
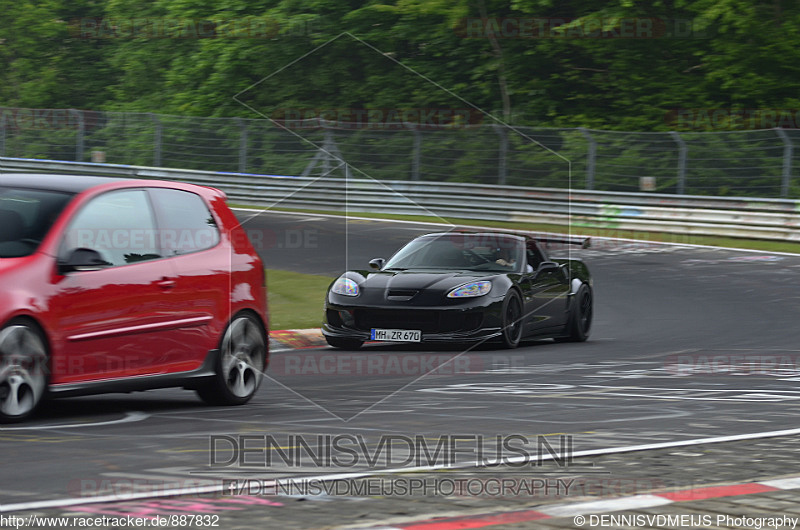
(475, 252)
(25, 217)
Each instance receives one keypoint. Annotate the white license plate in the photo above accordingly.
(397, 335)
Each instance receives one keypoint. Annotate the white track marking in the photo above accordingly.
(218, 488)
(636, 502)
(129, 418)
(783, 483)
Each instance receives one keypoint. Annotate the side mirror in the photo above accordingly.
(82, 259)
(377, 263)
(548, 266)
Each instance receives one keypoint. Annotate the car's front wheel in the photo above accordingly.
(512, 320)
(240, 364)
(579, 323)
(23, 370)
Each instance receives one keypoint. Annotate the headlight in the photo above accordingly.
(345, 287)
(471, 289)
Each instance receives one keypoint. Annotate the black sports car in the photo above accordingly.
(462, 287)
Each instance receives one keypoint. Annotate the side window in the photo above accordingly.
(534, 256)
(185, 222)
(119, 225)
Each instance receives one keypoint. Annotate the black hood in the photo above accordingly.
(420, 279)
(425, 287)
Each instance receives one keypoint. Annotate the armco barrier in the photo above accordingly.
(774, 219)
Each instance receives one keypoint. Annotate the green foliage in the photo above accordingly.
(736, 53)
(277, 56)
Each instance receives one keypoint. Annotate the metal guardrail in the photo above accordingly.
(774, 219)
(756, 163)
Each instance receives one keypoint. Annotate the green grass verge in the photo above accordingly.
(715, 241)
(295, 300)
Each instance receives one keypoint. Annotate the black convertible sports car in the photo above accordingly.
(463, 287)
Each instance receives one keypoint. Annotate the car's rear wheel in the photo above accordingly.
(344, 344)
(512, 320)
(579, 323)
(23, 370)
(240, 364)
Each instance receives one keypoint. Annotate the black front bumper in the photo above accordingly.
(451, 324)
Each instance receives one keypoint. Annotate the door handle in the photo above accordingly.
(166, 283)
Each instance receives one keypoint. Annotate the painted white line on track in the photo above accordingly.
(635, 502)
(353, 217)
(129, 418)
(218, 488)
(429, 223)
(783, 483)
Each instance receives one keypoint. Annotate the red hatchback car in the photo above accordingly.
(117, 285)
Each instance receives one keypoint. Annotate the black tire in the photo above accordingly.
(239, 367)
(579, 323)
(512, 320)
(344, 344)
(23, 370)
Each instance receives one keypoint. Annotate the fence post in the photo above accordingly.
(156, 140)
(591, 155)
(326, 145)
(242, 145)
(3, 135)
(324, 154)
(502, 163)
(347, 178)
(682, 158)
(79, 138)
(787, 161)
(417, 155)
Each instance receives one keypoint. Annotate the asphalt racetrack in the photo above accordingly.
(687, 343)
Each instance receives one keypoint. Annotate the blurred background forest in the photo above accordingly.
(133, 59)
(736, 54)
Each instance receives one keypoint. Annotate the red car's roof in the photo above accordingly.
(80, 183)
